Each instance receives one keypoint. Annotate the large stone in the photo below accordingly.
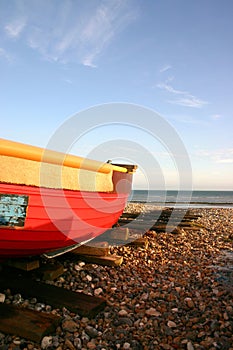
(46, 342)
(2, 297)
(171, 324)
(91, 331)
(153, 312)
(122, 313)
(69, 344)
(69, 326)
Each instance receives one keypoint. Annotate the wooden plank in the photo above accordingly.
(118, 233)
(141, 226)
(152, 220)
(157, 215)
(50, 272)
(192, 228)
(29, 324)
(163, 228)
(84, 305)
(159, 227)
(130, 215)
(186, 224)
(140, 243)
(96, 249)
(109, 260)
(25, 264)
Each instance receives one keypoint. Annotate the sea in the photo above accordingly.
(184, 199)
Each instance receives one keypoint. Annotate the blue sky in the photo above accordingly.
(175, 57)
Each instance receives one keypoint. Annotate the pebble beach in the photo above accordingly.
(176, 294)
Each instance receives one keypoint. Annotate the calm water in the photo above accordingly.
(182, 198)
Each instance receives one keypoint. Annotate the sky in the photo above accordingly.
(174, 58)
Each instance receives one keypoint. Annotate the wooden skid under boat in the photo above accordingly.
(48, 202)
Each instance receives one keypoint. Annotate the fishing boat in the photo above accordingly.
(52, 202)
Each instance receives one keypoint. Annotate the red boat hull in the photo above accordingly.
(57, 218)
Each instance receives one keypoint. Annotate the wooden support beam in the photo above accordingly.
(161, 226)
(25, 264)
(118, 233)
(29, 324)
(140, 225)
(155, 215)
(50, 271)
(84, 305)
(94, 249)
(192, 228)
(140, 243)
(109, 260)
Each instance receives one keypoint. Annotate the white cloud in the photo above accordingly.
(165, 68)
(71, 31)
(225, 161)
(15, 28)
(5, 55)
(189, 101)
(186, 98)
(220, 156)
(68, 81)
(88, 61)
(203, 153)
(216, 116)
(169, 88)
